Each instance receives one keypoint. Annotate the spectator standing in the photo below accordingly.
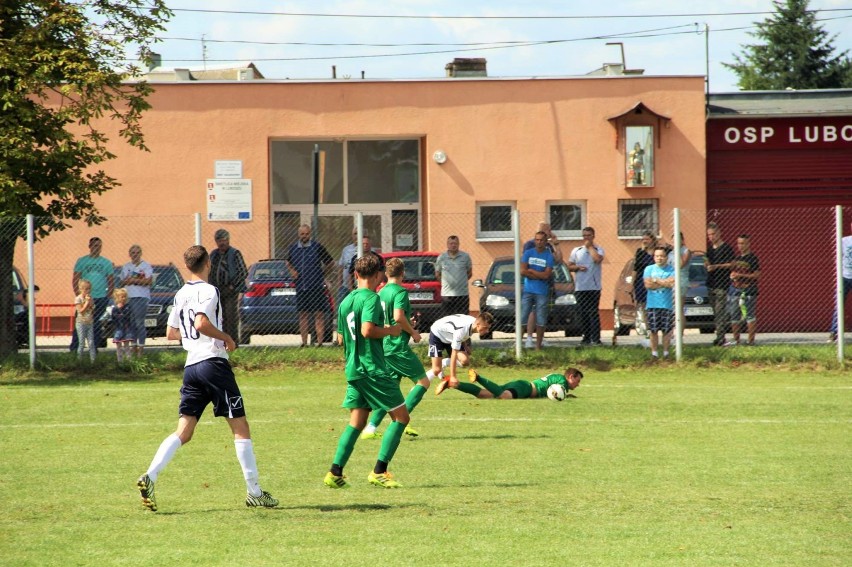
(718, 263)
(346, 256)
(585, 262)
(101, 275)
(685, 256)
(228, 273)
(742, 294)
(367, 248)
(308, 260)
(553, 247)
(136, 277)
(659, 281)
(84, 306)
(454, 269)
(122, 323)
(537, 269)
(643, 258)
(846, 252)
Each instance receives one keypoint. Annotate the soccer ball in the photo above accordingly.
(556, 392)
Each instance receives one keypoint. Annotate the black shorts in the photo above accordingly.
(453, 305)
(211, 381)
(661, 320)
(437, 346)
(311, 301)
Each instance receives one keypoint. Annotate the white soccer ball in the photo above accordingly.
(556, 392)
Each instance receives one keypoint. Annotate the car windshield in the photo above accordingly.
(269, 271)
(419, 268)
(503, 272)
(697, 271)
(167, 279)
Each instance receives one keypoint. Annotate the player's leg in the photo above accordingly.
(255, 495)
(384, 392)
(496, 390)
(359, 411)
(164, 454)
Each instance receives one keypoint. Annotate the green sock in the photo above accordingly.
(377, 417)
(490, 386)
(469, 388)
(345, 445)
(390, 440)
(414, 396)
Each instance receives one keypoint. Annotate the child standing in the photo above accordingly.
(659, 281)
(122, 320)
(85, 308)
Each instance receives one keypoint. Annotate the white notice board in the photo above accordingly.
(228, 199)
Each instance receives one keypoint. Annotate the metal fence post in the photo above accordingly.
(31, 316)
(678, 298)
(197, 229)
(519, 325)
(838, 245)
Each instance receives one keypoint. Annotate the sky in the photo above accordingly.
(663, 37)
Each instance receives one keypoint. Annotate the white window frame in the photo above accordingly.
(570, 234)
(494, 235)
(636, 233)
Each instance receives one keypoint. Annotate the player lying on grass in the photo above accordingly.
(516, 389)
(400, 359)
(369, 384)
(451, 335)
(207, 378)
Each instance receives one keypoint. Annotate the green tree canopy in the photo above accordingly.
(64, 69)
(795, 53)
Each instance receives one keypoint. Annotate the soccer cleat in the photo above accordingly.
(410, 431)
(472, 375)
(373, 435)
(334, 481)
(265, 500)
(442, 385)
(146, 489)
(385, 480)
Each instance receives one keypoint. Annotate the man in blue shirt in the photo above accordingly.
(308, 260)
(536, 267)
(659, 281)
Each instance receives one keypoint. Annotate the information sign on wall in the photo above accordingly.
(228, 199)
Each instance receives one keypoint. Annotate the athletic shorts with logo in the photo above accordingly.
(211, 381)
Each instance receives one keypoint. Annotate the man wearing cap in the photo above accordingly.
(100, 273)
(228, 273)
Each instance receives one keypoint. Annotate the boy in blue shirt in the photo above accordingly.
(659, 281)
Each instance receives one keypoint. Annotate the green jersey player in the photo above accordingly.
(484, 388)
(369, 384)
(400, 359)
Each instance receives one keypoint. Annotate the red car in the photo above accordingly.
(424, 289)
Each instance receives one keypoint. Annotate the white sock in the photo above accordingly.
(370, 428)
(245, 454)
(665, 354)
(164, 454)
(430, 375)
(445, 362)
(654, 353)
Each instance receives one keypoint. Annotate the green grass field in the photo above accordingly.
(659, 466)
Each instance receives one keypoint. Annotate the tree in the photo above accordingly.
(63, 71)
(796, 54)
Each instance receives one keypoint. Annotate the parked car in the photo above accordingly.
(167, 280)
(424, 289)
(697, 304)
(498, 298)
(268, 307)
(20, 308)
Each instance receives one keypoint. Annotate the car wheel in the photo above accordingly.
(619, 329)
(243, 334)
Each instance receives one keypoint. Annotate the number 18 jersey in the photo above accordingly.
(195, 298)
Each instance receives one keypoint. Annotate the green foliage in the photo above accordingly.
(654, 466)
(63, 72)
(795, 53)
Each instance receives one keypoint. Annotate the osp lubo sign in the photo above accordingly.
(780, 133)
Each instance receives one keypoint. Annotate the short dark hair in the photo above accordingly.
(487, 317)
(367, 265)
(195, 257)
(744, 237)
(574, 371)
(588, 229)
(713, 225)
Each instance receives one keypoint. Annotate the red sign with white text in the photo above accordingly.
(804, 133)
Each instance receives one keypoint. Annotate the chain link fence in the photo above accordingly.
(795, 249)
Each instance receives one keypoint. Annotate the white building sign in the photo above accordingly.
(228, 199)
(228, 169)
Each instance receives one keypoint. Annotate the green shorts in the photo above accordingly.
(373, 393)
(522, 388)
(405, 365)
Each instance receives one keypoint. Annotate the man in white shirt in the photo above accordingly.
(196, 320)
(585, 264)
(846, 252)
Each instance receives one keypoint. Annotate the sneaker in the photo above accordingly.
(719, 341)
(832, 338)
(384, 480)
(529, 343)
(373, 435)
(472, 375)
(410, 431)
(334, 481)
(545, 343)
(732, 343)
(441, 386)
(265, 500)
(146, 489)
